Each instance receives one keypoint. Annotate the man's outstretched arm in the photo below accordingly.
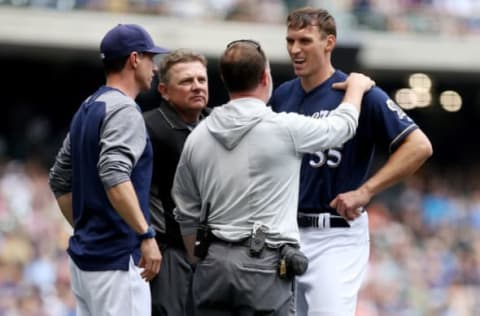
(409, 156)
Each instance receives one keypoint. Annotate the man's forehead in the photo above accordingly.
(187, 71)
(190, 67)
(309, 30)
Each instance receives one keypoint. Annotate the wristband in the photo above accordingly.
(150, 233)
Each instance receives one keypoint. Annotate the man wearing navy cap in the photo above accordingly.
(101, 179)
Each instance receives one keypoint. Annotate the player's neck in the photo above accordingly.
(123, 83)
(314, 80)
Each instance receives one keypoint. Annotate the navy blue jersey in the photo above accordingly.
(326, 174)
(102, 240)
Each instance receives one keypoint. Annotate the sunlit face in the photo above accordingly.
(309, 50)
(146, 70)
(187, 87)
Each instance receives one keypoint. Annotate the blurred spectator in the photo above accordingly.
(425, 253)
(34, 276)
(425, 233)
(425, 246)
(453, 17)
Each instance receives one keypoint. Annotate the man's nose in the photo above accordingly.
(295, 47)
(196, 84)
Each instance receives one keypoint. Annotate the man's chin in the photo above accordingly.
(199, 104)
(299, 71)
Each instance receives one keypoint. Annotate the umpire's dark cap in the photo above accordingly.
(126, 38)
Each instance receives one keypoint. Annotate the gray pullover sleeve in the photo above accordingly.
(311, 135)
(186, 195)
(122, 141)
(60, 175)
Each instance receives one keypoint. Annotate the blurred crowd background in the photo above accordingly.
(425, 232)
(419, 16)
(425, 246)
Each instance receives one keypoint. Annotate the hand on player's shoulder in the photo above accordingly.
(360, 80)
(355, 80)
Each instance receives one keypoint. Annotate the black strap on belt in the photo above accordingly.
(244, 242)
(313, 221)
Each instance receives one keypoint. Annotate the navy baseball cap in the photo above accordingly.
(126, 38)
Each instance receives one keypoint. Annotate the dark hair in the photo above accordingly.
(303, 17)
(175, 57)
(114, 65)
(242, 65)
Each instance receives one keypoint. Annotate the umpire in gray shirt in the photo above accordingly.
(236, 187)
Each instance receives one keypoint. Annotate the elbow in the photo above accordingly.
(423, 151)
(422, 147)
(59, 186)
(351, 130)
(427, 149)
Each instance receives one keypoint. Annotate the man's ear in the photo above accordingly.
(265, 76)
(162, 88)
(133, 59)
(331, 42)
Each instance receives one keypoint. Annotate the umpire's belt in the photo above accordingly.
(322, 220)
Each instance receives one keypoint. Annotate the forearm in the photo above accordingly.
(124, 199)
(410, 156)
(65, 204)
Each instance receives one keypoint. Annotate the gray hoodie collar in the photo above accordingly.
(229, 123)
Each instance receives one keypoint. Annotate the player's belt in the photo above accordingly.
(322, 220)
(314, 211)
